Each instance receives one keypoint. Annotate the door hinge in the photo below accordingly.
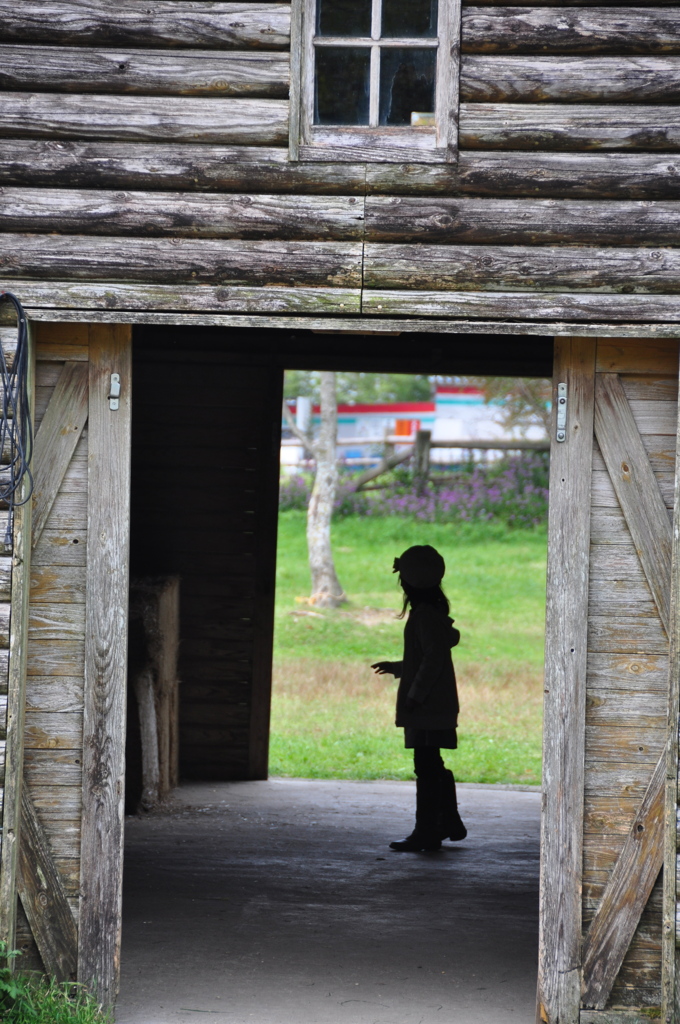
(561, 412)
(114, 391)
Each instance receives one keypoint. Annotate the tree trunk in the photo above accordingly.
(326, 589)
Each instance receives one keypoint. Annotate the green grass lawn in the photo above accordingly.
(333, 718)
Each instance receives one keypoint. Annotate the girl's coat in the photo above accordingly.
(426, 673)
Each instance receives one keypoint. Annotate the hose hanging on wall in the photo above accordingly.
(16, 429)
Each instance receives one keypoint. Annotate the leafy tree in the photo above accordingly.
(360, 388)
(524, 401)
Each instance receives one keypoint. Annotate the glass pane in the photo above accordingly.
(406, 84)
(342, 85)
(343, 18)
(409, 19)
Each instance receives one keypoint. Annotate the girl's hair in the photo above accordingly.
(413, 596)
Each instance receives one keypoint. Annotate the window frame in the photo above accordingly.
(363, 143)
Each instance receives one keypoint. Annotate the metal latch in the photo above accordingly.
(114, 391)
(561, 412)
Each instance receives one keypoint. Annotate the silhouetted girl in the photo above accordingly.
(427, 700)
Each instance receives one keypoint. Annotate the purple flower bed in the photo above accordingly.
(514, 491)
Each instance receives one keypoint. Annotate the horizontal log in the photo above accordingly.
(647, 674)
(567, 126)
(658, 388)
(148, 72)
(263, 169)
(596, 30)
(178, 260)
(495, 221)
(608, 525)
(139, 119)
(71, 211)
(515, 268)
(536, 79)
(516, 305)
(147, 23)
(623, 355)
(185, 298)
(615, 562)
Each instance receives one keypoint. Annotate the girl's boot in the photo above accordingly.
(449, 821)
(425, 835)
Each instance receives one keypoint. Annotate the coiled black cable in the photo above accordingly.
(16, 428)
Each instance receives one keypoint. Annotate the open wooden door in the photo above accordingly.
(69, 871)
(607, 943)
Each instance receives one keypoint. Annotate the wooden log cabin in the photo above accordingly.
(195, 194)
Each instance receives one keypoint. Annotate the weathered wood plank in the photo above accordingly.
(219, 261)
(54, 731)
(620, 707)
(512, 305)
(565, 681)
(225, 298)
(565, 126)
(605, 496)
(628, 781)
(646, 673)
(624, 745)
(189, 216)
(617, 634)
(636, 487)
(659, 389)
(468, 267)
(626, 894)
(44, 898)
(105, 673)
(625, 355)
(14, 720)
(56, 658)
(264, 170)
(158, 23)
(660, 450)
(54, 767)
(56, 440)
(43, 694)
(596, 30)
(57, 584)
(56, 622)
(621, 597)
(64, 546)
(538, 79)
(136, 118)
(486, 221)
(150, 72)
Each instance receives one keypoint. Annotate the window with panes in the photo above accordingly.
(378, 79)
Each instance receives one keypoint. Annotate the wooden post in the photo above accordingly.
(559, 974)
(106, 616)
(669, 954)
(16, 699)
(421, 467)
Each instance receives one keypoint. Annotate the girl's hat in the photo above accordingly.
(420, 566)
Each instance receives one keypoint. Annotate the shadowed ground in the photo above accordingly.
(280, 903)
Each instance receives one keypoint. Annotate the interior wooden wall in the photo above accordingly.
(205, 438)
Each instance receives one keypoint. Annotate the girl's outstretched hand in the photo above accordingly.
(384, 668)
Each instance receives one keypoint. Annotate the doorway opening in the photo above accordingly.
(280, 894)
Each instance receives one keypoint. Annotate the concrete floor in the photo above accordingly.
(280, 903)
